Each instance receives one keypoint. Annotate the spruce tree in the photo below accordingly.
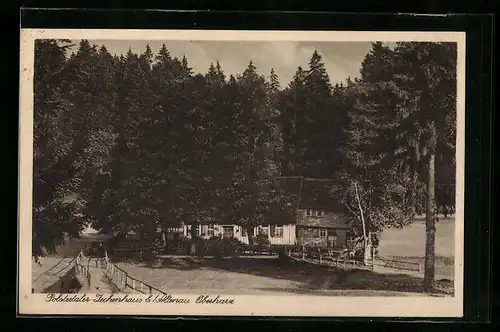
(427, 73)
(56, 174)
(376, 190)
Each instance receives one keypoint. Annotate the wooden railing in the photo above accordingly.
(402, 265)
(337, 259)
(124, 281)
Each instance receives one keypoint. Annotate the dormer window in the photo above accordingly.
(314, 213)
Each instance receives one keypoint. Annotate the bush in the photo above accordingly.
(179, 245)
(219, 247)
(232, 246)
(213, 246)
(148, 255)
(261, 243)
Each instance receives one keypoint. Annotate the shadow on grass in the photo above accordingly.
(67, 284)
(337, 292)
(310, 277)
(177, 263)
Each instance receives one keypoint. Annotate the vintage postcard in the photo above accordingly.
(241, 173)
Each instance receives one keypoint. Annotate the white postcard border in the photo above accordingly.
(244, 305)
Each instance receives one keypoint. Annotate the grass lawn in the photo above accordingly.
(266, 275)
(409, 244)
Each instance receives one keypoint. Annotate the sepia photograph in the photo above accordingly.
(241, 173)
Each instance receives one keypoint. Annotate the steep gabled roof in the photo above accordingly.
(311, 193)
(319, 194)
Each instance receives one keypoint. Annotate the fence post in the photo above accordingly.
(320, 260)
(133, 285)
(150, 290)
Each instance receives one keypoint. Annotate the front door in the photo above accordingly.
(228, 231)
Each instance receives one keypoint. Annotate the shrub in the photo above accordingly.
(178, 245)
(232, 246)
(148, 255)
(219, 247)
(212, 246)
(261, 243)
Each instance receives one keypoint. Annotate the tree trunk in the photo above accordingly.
(194, 239)
(164, 239)
(367, 248)
(430, 224)
(249, 230)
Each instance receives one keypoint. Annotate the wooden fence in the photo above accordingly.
(124, 281)
(402, 265)
(327, 259)
(340, 259)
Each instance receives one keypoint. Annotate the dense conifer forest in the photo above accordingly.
(141, 140)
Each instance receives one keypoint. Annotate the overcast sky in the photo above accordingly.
(342, 59)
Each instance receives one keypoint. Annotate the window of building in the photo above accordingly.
(323, 232)
(315, 233)
(315, 213)
(210, 230)
(228, 231)
(243, 231)
(276, 231)
(320, 213)
(279, 231)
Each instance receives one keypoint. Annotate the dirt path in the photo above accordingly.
(99, 282)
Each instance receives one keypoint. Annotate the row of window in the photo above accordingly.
(323, 232)
(314, 213)
(272, 230)
(209, 230)
(205, 230)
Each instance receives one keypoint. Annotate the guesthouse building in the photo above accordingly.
(315, 219)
